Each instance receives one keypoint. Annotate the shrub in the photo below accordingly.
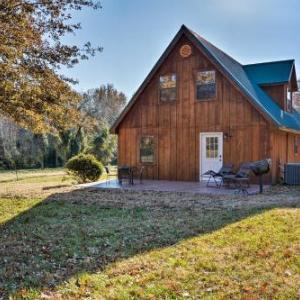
(84, 167)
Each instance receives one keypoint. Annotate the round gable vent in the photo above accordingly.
(185, 51)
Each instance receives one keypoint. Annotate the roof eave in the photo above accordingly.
(114, 127)
(293, 77)
(290, 130)
(273, 83)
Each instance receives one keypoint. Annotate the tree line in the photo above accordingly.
(23, 148)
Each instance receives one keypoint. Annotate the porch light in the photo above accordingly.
(227, 136)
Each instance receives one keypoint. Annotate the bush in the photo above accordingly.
(84, 167)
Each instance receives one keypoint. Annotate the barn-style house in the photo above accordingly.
(199, 108)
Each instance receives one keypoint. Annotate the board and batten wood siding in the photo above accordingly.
(176, 126)
(283, 151)
(277, 93)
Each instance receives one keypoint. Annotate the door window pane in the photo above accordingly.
(212, 147)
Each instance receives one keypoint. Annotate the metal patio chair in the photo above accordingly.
(125, 172)
(138, 173)
(240, 180)
(108, 174)
(217, 177)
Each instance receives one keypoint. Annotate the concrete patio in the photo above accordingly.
(170, 186)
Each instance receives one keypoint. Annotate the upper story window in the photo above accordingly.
(289, 100)
(167, 88)
(205, 85)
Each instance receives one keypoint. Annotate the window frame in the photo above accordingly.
(289, 100)
(176, 88)
(195, 85)
(154, 150)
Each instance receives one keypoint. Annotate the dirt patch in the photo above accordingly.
(31, 190)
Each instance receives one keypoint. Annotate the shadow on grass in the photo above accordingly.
(70, 233)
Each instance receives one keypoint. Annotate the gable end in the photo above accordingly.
(230, 69)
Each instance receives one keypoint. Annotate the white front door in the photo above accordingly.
(211, 152)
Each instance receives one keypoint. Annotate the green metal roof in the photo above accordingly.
(270, 72)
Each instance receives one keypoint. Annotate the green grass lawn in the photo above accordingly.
(36, 183)
(33, 183)
(34, 175)
(116, 245)
(10, 175)
(257, 258)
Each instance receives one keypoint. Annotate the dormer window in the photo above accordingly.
(167, 88)
(289, 100)
(296, 144)
(205, 85)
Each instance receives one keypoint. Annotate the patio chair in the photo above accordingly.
(217, 177)
(141, 174)
(108, 174)
(125, 172)
(241, 179)
(137, 173)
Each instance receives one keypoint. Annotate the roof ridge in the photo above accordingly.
(270, 62)
(208, 42)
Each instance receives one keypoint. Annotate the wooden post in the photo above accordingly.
(260, 184)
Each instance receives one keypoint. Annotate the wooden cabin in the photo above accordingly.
(199, 108)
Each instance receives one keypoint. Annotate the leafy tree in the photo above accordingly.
(104, 104)
(77, 142)
(31, 53)
(102, 146)
(22, 148)
(39, 148)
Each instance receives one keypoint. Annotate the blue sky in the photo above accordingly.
(135, 33)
